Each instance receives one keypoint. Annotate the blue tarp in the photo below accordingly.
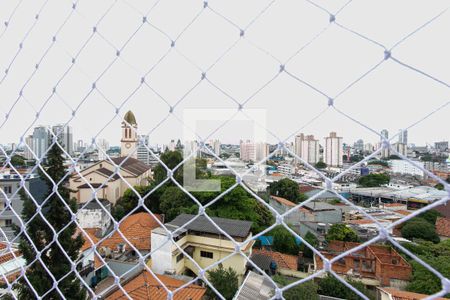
(268, 240)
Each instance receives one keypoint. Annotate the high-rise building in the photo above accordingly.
(403, 136)
(64, 134)
(129, 140)
(143, 152)
(80, 146)
(247, 150)
(385, 134)
(441, 146)
(215, 146)
(333, 150)
(261, 151)
(307, 148)
(102, 147)
(359, 146)
(172, 145)
(401, 148)
(310, 150)
(29, 141)
(40, 141)
(298, 145)
(368, 148)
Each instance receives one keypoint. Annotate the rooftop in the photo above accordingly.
(283, 261)
(131, 165)
(137, 229)
(404, 295)
(130, 118)
(443, 226)
(145, 287)
(255, 287)
(234, 228)
(283, 201)
(93, 204)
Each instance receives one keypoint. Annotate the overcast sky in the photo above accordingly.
(391, 97)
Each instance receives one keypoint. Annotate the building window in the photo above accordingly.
(7, 189)
(206, 254)
(8, 222)
(180, 257)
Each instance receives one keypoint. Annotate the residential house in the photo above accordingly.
(314, 211)
(115, 250)
(443, 228)
(385, 293)
(374, 265)
(103, 176)
(95, 215)
(203, 242)
(144, 286)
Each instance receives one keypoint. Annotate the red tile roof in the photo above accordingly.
(403, 212)
(306, 188)
(394, 204)
(443, 226)
(137, 229)
(145, 287)
(404, 295)
(5, 257)
(284, 261)
(283, 201)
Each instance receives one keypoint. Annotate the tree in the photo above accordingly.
(378, 162)
(284, 241)
(171, 159)
(17, 160)
(174, 202)
(374, 180)
(430, 216)
(440, 186)
(435, 255)
(225, 281)
(332, 287)
(306, 290)
(340, 232)
(320, 165)
(236, 204)
(313, 241)
(287, 188)
(41, 235)
(420, 229)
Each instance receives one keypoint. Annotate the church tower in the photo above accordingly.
(129, 140)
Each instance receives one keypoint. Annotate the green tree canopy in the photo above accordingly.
(313, 241)
(332, 287)
(287, 188)
(341, 232)
(306, 290)
(320, 165)
(374, 180)
(174, 202)
(225, 281)
(18, 161)
(420, 229)
(437, 256)
(284, 241)
(59, 218)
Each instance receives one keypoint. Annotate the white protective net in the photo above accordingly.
(87, 63)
